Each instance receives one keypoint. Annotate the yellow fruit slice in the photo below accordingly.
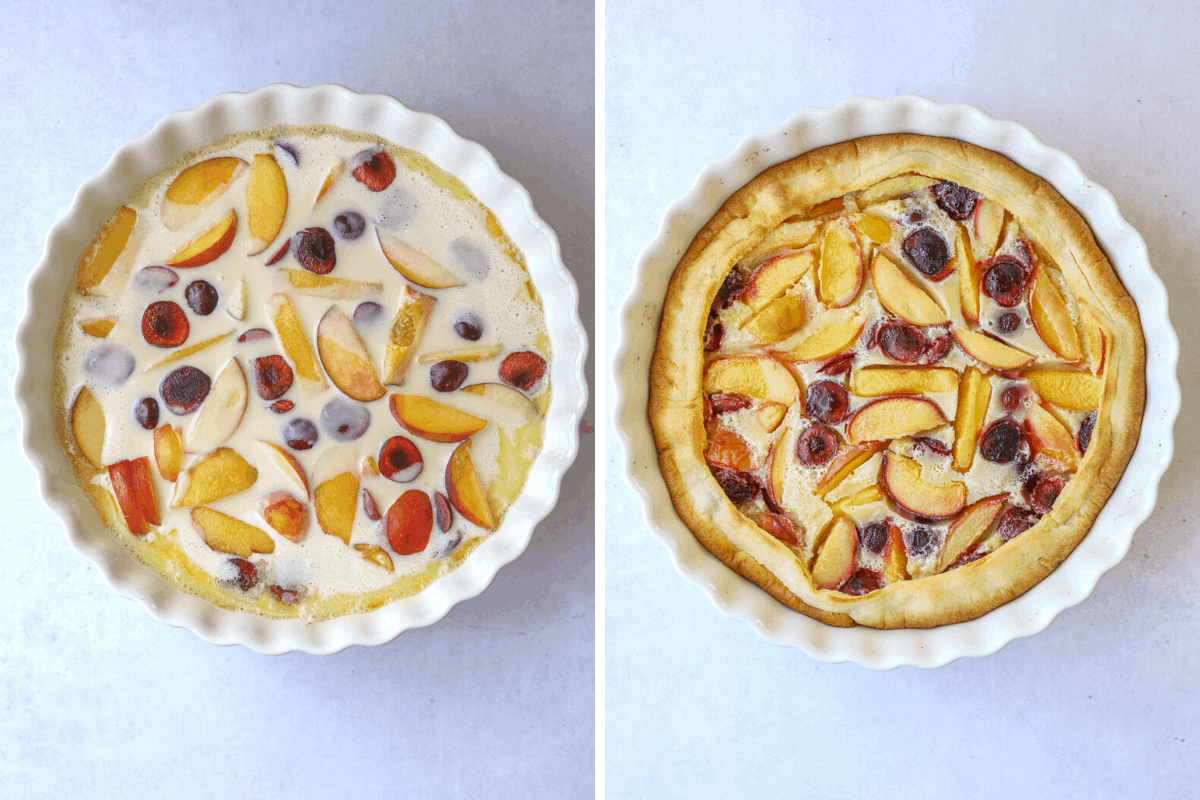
(98, 260)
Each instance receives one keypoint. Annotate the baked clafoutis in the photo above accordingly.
(895, 381)
(302, 372)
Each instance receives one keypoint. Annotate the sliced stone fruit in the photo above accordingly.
(969, 529)
(134, 490)
(235, 305)
(774, 276)
(892, 418)
(837, 556)
(184, 389)
(900, 295)
(345, 358)
(504, 405)
(844, 463)
(102, 255)
(989, 221)
(222, 411)
(168, 451)
(197, 188)
(432, 420)
(464, 489)
(778, 320)
(728, 450)
(874, 227)
(892, 188)
(478, 353)
(188, 351)
(295, 343)
(409, 523)
(308, 283)
(374, 169)
(415, 265)
(756, 376)
(215, 475)
(286, 515)
(901, 479)
(404, 338)
(100, 327)
(376, 555)
(273, 376)
(209, 246)
(230, 535)
(331, 179)
(1075, 391)
(974, 396)
(1052, 318)
(1052, 440)
(882, 381)
(335, 498)
(837, 332)
(840, 273)
(1094, 341)
(989, 351)
(968, 278)
(286, 463)
(314, 248)
(266, 202)
(400, 460)
(523, 370)
(87, 423)
(164, 324)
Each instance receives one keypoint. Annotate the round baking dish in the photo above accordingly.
(333, 105)
(1111, 535)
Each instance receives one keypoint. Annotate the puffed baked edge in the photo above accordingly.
(676, 374)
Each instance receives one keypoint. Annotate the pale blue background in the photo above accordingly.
(98, 700)
(1102, 704)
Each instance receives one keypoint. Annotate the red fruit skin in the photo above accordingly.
(121, 476)
(443, 511)
(522, 370)
(282, 406)
(839, 364)
(376, 170)
(724, 403)
(169, 314)
(409, 522)
(143, 489)
(369, 507)
(279, 254)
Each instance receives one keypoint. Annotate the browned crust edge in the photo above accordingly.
(676, 372)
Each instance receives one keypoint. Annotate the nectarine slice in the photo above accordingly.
(968, 277)
(791, 235)
(295, 343)
(432, 420)
(345, 358)
(336, 501)
(1076, 391)
(900, 295)
(775, 276)
(186, 352)
(87, 423)
(838, 332)
(840, 274)
(222, 411)
(266, 202)
(197, 188)
(901, 479)
(464, 489)
(844, 463)
(168, 452)
(1052, 440)
(404, 338)
(209, 246)
(874, 227)
(974, 395)
(230, 535)
(756, 376)
(100, 327)
(989, 221)
(893, 417)
(220, 473)
(970, 527)
(310, 283)
(286, 515)
(989, 351)
(890, 189)
(286, 463)
(100, 257)
(838, 555)
(1052, 318)
(882, 381)
(778, 320)
(415, 265)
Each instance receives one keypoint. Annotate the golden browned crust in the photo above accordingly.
(676, 374)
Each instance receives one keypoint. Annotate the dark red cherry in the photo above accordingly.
(1004, 282)
(1045, 490)
(247, 573)
(918, 541)
(931, 446)
(145, 412)
(201, 297)
(936, 349)
(816, 446)
(927, 251)
(863, 581)
(1016, 520)
(1085, 431)
(838, 365)
(1009, 321)
(1012, 397)
(184, 389)
(739, 487)
(828, 402)
(300, 434)
(714, 334)
(729, 290)
(164, 324)
(901, 341)
(374, 169)
(1000, 442)
(875, 537)
(469, 327)
(315, 250)
(727, 402)
(272, 377)
(957, 201)
(349, 225)
(448, 375)
(522, 370)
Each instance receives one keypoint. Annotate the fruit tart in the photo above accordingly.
(301, 372)
(895, 381)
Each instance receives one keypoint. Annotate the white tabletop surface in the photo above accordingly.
(98, 700)
(1102, 704)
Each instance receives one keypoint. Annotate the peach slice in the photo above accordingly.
(217, 474)
(409, 523)
(222, 411)
(775, 276)
(331, 179)
(756, 376)
(838, 556)
(838, 332)
(770, 415)
(287, 515)
(505, 405)
(989, 351)
(87, 423)
(235, 304)
(266, 202)
(98, 260)
(408, 326)
(901, 479)
(892, 188)
(230, 535)
(168, 452)
(970, 527)
(197, 188)
(968, 278)
(1052, 318)
(781, 455)
(376, 555)
(188, 351)
(477, 353)
(728, 450)
(1076, 391)
(335, 497)
(974, 395)
(286, 463)
(345, 358)
(208, 247)
(989, 221)
(840, 274)
(846, 462)
(432, 420)
(464, 489)
(874, 227)
(788, 236)
(882, 381)
(778, 320)
(893, 417)
(415, 265)
(100, 327)
(900, 295)
(864, 496)
(295, 343)
(895, 566)
(1095, 342)
(1052, 440)
(309, 283)
(134, 491)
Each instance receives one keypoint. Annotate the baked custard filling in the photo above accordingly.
(302, 372)
(896, 386)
